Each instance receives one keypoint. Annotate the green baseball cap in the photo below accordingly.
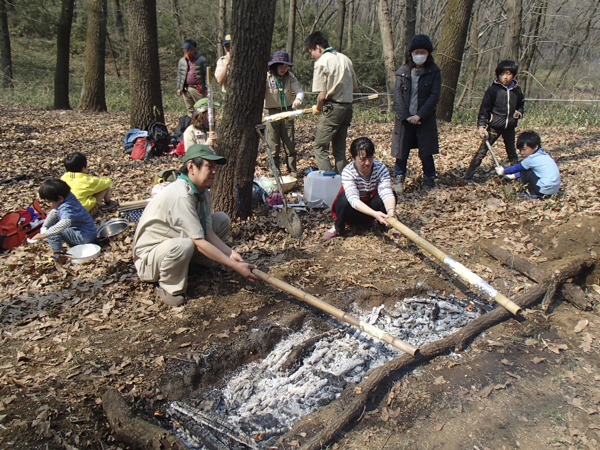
(203, 103)
(204, 152)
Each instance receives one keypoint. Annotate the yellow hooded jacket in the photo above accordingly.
(84, 186)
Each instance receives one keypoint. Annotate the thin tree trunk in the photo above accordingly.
(350, 22)
(144, 70)
(63, 50)
(291, 37)
(118, 16)
(373, 19)
(450, 52)
(252, 25)
(222, 26)
(341, 4)
(176, 12)
(410, 23)
(539, 12)
(93, 96)
(474, 55)
(512, 32)
(385, 27)
(5, 54)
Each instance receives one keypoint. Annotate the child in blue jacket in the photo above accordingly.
(537, 171)
(501, 107)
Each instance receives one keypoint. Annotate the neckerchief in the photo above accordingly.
(329, 49)
(200, 196)
(280, 83)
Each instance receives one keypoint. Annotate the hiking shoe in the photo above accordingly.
(170, 299)
(428, 184)
(399, 183)
(467, 181)
(330, 234)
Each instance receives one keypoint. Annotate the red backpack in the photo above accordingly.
(142, 148)
(16, 226)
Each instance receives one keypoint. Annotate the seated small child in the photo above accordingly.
(89, 190)
(198, 131)
(537, 171)
(366, 193)
(68, 220)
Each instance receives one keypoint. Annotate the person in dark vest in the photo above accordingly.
(191, 76)
(417, 91)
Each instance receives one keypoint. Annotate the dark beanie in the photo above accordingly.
(420, 41)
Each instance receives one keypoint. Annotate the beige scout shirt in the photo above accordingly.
(335, 75)
(290, 87)
(193, 136)
(173, 213)
(220, 68)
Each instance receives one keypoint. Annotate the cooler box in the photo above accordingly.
(321, 185)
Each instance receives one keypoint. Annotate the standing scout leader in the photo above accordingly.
(335, 81)
(178, 225)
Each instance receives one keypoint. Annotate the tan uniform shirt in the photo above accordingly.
(193, 136)
(291, 87)
(221, 68)
(335, 75)
(173, 213)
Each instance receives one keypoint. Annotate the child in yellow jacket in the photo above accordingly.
(89, 190)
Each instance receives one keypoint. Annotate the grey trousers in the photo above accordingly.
(169, 262)
(282, 132)
(333, 127)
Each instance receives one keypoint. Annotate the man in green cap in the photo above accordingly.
(178, 227)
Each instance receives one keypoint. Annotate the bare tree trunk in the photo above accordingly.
(222, 26)
(410, 23)
(450, 52)
(63, 51)
(144, 72)
(118, 16)
(350, 22)
(474, 55)
(5, 54)
(252, 25)
(291, 37)
(176, 12)
(385, 27)
(373, 19)
(512, 32)
(93, 96)
(341, 4)
(539, 12)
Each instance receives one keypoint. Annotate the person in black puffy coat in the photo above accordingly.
(501, 108)
(416, 94)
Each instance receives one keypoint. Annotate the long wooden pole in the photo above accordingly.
(464, 273)
(314, 301)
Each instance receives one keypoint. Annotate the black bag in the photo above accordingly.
(177, 135)
(158, 132)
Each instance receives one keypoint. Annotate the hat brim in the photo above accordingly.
(281, 62)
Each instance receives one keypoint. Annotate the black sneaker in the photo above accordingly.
(428, 184)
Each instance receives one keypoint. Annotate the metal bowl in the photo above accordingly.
(113, 227)
(83, 253)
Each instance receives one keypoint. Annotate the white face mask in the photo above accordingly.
(419, 59)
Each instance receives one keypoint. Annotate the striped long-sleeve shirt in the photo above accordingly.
(357, 186)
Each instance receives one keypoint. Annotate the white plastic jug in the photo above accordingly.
(321, 185)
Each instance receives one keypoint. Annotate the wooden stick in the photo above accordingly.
(464, 273)
(569, 291)
(323, 424)
(138, 203)
(324, 306)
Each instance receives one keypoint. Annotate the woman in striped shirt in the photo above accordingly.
(366, 192)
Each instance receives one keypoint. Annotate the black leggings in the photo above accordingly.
(530, 179)
(347, 214)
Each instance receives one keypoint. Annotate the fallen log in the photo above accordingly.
(323, 424)
(134, 431)
(569, 291)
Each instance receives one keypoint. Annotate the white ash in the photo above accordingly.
(262, 398)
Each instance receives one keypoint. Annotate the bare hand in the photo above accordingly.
(236, 256)
(245, 270)
(518, 115)
(39, 236)
(380, 216)
(179, 92)
(296, 103)
(212, 138)
(483, 134)
(415, 120)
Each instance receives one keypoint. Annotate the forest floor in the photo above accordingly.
(72, 332)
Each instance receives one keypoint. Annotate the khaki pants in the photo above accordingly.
(333, 127)
(278, 132)
(190, 97)
(169, 262)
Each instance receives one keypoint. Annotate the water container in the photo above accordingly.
(321, 185)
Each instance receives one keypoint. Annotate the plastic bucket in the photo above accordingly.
(321, 185)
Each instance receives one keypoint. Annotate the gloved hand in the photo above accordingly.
(315, 111)
(510, 176)
(500, 170)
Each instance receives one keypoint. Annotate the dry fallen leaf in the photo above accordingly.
(222, 336)
(537, 360)
(486, 391)
(384, 414)
(438, 426)
(439, 380)
(531, 341)
(581, 325)
(586, 344)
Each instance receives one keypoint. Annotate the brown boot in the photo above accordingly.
(170, 299)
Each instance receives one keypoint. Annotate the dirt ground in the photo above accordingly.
(71, 332)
